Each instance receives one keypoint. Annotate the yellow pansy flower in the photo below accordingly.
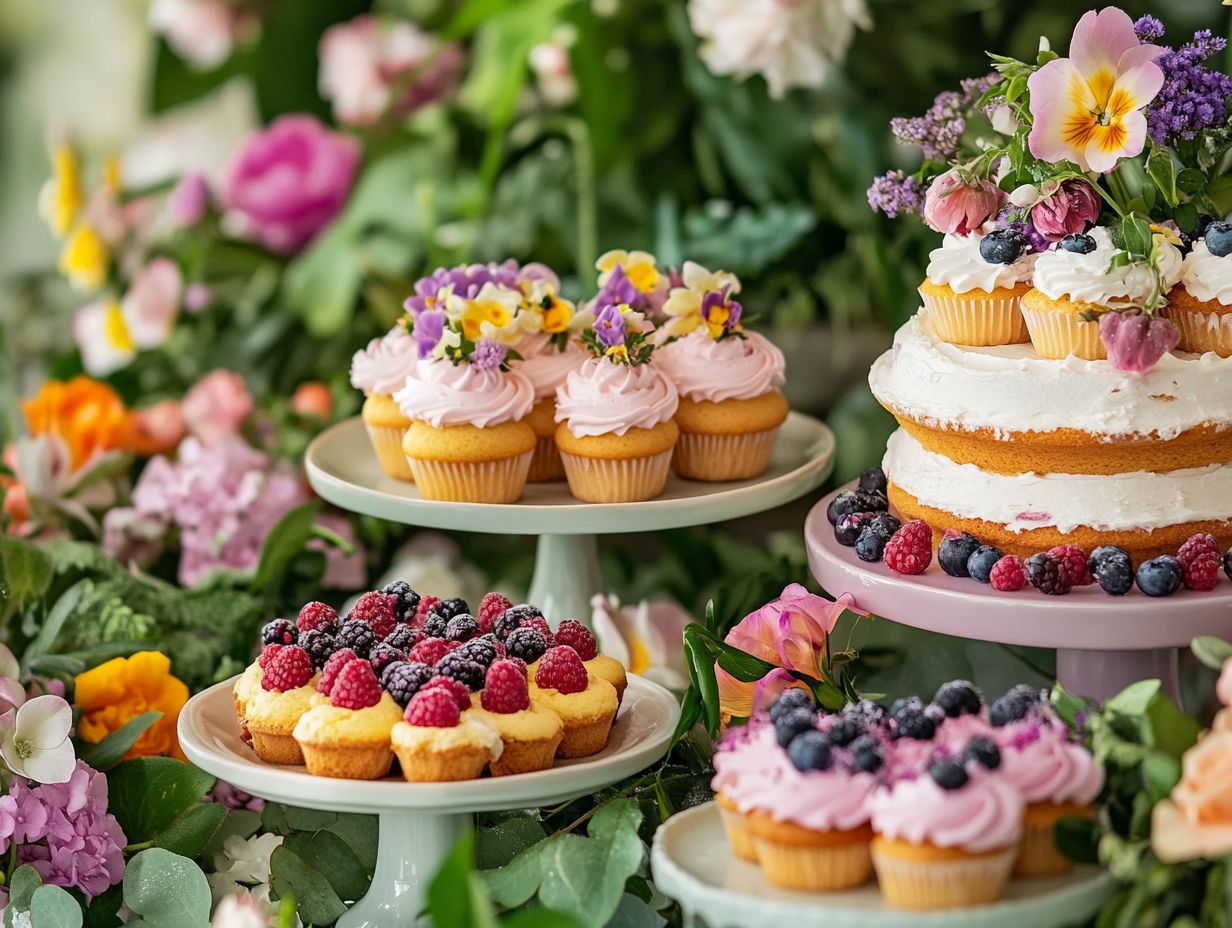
(84, 259)
(618, 353)
(639, 267)
(557, 314)
(62, 197)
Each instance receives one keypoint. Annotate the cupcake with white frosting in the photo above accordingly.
(379, 370)
(974, 287)
(1201, 304)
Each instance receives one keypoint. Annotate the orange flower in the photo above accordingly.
(113, 693)
(89, 416)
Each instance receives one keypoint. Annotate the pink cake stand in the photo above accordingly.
(1103, 642)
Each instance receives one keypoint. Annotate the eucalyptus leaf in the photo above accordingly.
(517, 882)
(110, 751)
(1211, 651)
(21, 891)
(190, 832)
(360, 832)
(496, 846)
(167, 890)
(457, 898)
(148, 793)
(285, 540)
(1169, 729)
(315, 899)
(53, 907)
(329, 855)
(1134, 700)
(586, 877)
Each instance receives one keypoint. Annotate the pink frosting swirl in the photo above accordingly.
(955, 734)
(383, 366)
(545, 365)
(821, 800)
(604, 398)
(984, 815)
(1051, 768)
(705, 370)
(444, 394)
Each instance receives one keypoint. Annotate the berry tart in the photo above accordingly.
(585, 703)
(529, 733)
(287, 685)
(440, 739)
(346, 732)
(575, 635)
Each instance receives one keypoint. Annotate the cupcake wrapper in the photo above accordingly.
(1058, 335)
(387, 443)
(738, 836)
(1038, 854)
(975, 321)
(545, 465)
(350, 761)
(618, 480)
(499, 481)
(276, 748)
(524, 757)
(833, 867)
(463, 763)
(723, 457)
(943, 884)
(1202, 332)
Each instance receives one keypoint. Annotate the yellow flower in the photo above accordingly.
(639, 267)
(1166, 234)
(62, 197)
(84, 259)
(557, 314)
(118, 691)
(478, 312)
(716, 321)
(619, 353)
(111, 175)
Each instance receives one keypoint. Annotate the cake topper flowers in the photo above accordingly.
(705, 301)
(617, 335)
(632, 278)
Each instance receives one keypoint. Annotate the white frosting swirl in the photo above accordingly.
(545, 365)
(705, 370)
(603, 398)
(386, 362)
(1206, 276)
(959, 265)
(444, 394)
(1061, 274)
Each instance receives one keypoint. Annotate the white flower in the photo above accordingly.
(202, 32)
(646, 638)
(12, 693)
(243, 910)
(549, 62)
(791, 43)
(103, 336)
(34, 740)
(1025, 195)
(243, 866)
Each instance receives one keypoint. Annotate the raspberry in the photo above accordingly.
(505, 689)
(329, 673)
(1074, 562)
(382, 655)
(539, 624)
(319, 644)
(461, 668)
(356, 687)
(1045, 573)
(279, 631)
(404, 637)
(267, 652)
(421, 611)
(429, 651)
(356, 635)
(561, 669)
(512, 618)
(451, 646)
(406, 600)
(517, 662)
(457, 692)
(432, 709)
(577, 636)
(317, 615)
(481, 650)
(1008, 574)
(910, 549)
(403, 680)
(378, 610)
(491, 608)
(462, 627)
(527, 644)
(1199, 558)
(289, 668)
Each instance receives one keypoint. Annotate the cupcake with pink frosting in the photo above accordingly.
(380, 370)
(729, 380)
(615, 412)
(743, 765)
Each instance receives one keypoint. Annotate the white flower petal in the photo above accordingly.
(54, 765)
(44, 721)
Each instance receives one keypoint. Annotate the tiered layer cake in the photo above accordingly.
(1027, 453)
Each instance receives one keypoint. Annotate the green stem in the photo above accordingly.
(1116, 183)
(140, 846)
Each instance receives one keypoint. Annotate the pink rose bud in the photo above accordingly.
(217, 406)
(1070, 209)
(952, 206)
(1136, 341)
(189, 200)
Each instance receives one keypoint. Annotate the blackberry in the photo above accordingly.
(847, 530)
(481, 650)
(402, 680)
(850, 501)
(526, 644)
(917, 726)
(319, 645)
(382, 655)
(1045, 573)
(1008, 709)
(458, 666)
(1162, 576)
(866, 754)
(844, 731)
(356, 635)
(791, 723)
(1112, 569)
(1004, 246)
(886, 523)
(794, 698)
(809, 751)
(958, 697)
(955, 550)
(462, 627)
(905, 704)
(439, 614)
(407, 600)
(948, 774)
(979, 565)
(279, 631)
(870, 546)
(873, 480)
(403, 637)
(983, 751)
(512, 618)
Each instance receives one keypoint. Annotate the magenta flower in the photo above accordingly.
(1072, 207)
(953, 206)
(290, 181)
(1136, 341)
(189, 199)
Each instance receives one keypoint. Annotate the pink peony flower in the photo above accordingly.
(189, 200)
(365, 61)
(289, 182)
(202, 32)
(217, 406)
(953, 206)
(1136, 341)
(1071, 208)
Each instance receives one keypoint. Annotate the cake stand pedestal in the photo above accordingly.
(692, 863)
(343, 469)
(421, 822)
(1104, 643)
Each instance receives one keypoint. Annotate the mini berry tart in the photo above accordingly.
(585, 703)
(379, 370)
(246, 688)
(577, 636)
(348, 737)
(530, 734)
(974, 287)
(439, 742)
(286, 689)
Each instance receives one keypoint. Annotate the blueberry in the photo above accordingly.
(979, 565)
(1079, 243)
(870, 546)
(844, 731)
(983, 751)
(856, 501)
(791, 723)
(1112, 569)
(866, 754)
(905, 704)
(1025, 691)
(809, 751)
(955, 550)
(1008, 709)
(958, 697)
(873, 480)
(886, 524)
(1161, 576)
(1219, 238)
(848, 528)
(870, 714)
(1227, 563)
(948, 774)
(794, 698)
(1004, 246)
(916, 726)
(935, 713)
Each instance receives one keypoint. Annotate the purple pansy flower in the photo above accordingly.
(718, 299)
(429, 328)
(610, 326)
(465, 280)
(488, 355)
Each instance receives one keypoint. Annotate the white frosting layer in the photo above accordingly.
(959, 264)
(1206, 276)
(446, 394)
(1021, 502)
(705, 370)
(603, 398)
(1008, 388)
(1061, 274)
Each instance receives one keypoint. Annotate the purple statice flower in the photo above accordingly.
(465, 280)
(1149, 29)
(718, 299)
(234, 798)
(896, 194)
(938, 131)
(1193, 98)
(429, 328)
(609, 326)
(489, 355)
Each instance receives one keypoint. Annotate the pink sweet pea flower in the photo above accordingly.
(1088, 108)
(953, 206)
(1069, 208)
(217, 406)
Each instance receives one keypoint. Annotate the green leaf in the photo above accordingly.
(24, 569)
(586, 877)
(1191, 181)
(516, 882)
(329, 855)
(1162, 170)
(111, 750)
(148, 793)
(1211, 651)
(1078, 839)
(285, 540)
(745, 241)
(360, 833)
(457, 897)
(1160, 772)
(496, 846)
(315, 899)
(302, 819)
(192, 830)
(167, 890)
(56, 618)
(22, 887)
(1135, 699)
(1133, 234)
(1169, 729)
(53, 907)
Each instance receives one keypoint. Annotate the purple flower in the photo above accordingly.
(896, 194)
(189, 200)
(609, 326)
(728, 315)
(290, 181)
(429, 327)
(1149, 29)
(234, 798)
(1193, 97)
(619, 289)
(1011, 218)
(488, 355)
(465, 280)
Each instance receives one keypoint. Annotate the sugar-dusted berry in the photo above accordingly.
(317, 615)
(289, 668)
(491, 608)
(429, 651)
(404, 637)
(335, 663)
(378, 610)
(459, 693)
(382, 655)
(406, 600)
(561, 669)
(505, 689)
(1200, 562)
(357, 635)
(267, 652)
(460, 667)
(356, 687)
(1046, 574)
(575, 635)
(910, 549)
(462, 627)
(1073, 561)
(319, 644)
(421, 611)
(527, 644)
(403, 679)
(279, 631)
(1008, 574)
